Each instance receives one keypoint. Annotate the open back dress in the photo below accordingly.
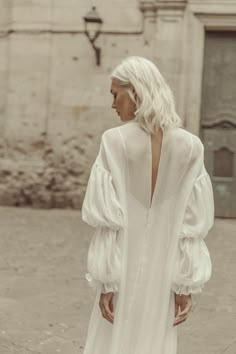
(148, 244)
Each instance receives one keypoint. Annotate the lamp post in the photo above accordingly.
(93, 25)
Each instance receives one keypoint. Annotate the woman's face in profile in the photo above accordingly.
(122, 103)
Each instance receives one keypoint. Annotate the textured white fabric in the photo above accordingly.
(102, 210)
(101, 200)
(193, 263)
(104, 260)
(143, 250)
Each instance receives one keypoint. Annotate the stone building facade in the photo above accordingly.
(55, 101)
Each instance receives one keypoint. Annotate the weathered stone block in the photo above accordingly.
(27, 87)
(31, 14)
(41, 200)
(42, 176)
(5, 12)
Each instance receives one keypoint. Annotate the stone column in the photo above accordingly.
(170, 41)
(149, 22)
(164, 25)
(5, 16)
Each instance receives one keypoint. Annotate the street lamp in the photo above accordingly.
(93, 24)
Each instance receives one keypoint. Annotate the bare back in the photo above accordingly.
(156, 145)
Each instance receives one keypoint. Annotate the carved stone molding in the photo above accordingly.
(219, 124)
(212, 6)
(149, 9)
(171, 5)
(217, 21)
(147, 6)
(162, 5)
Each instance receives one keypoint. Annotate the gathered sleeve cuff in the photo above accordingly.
(193, 264)
(104, 260)
(101, 209)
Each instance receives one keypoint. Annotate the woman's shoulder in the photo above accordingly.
(110, 133)
(197, 147)
(185, 146)
(122, 131)
(111, 139)
(186, 138)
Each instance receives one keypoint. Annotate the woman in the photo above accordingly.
(150, 199)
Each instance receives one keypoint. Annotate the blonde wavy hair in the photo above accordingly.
(155, 106)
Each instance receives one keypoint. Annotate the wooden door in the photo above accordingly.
(218, 118)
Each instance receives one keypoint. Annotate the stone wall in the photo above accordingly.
(41, 175)
(54, 100)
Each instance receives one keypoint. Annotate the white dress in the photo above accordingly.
(145, 251)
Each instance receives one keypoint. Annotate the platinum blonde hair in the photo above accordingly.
(155, 106)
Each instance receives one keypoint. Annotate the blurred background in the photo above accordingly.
(54, 87)
(56, 57)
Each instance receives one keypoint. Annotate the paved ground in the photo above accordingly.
(45, 302)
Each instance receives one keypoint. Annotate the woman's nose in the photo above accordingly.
(113, 105)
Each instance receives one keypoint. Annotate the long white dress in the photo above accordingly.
(146, 250)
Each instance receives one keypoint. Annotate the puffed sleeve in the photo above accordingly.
(193, 263)
(101, 209)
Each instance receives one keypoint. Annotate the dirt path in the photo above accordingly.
(45, 302)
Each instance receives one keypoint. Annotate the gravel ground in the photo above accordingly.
(45, 302)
